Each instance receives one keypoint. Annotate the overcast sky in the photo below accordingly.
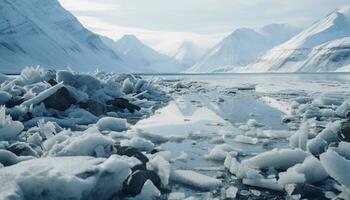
(163, 24)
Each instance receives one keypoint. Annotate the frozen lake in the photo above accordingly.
(208, 110)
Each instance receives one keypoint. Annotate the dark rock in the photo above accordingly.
(305, 190)
(134, 183)
(154, 151)
(132, 152)
(345, 131)
(121, 104)
(52, 82)
(94, 107)
(15, 101)
(22, 149)
(61, 100)
(139, 167)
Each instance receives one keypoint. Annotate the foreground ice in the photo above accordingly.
(195, 179)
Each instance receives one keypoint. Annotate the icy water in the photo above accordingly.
(207, 101)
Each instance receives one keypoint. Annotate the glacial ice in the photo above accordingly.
(112, 124)
(195, 180)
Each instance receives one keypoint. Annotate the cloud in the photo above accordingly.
(87, 6)
(165, 42)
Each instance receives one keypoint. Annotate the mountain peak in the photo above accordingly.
(345, 11)
(130, 38)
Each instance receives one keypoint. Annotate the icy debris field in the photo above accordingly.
(68, 135)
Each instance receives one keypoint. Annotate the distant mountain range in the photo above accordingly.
(142, 58)
(243, 47)
(38, 32)
(324, 46)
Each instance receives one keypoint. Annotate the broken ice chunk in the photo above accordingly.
(279, 159)
(263, 183)
(246, 139)
(112, 124)
(196, 180)
(231, 192)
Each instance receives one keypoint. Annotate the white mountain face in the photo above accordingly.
(189, 53)
(243, 47)
(37, 32)
(324, 46)
(141, 57)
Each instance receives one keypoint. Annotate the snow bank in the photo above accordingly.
(195, 180)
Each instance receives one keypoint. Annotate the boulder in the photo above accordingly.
(15, 101)
(22, 149)
(345, 131)
(52, 82)
(305, 191)
(120, 104)
(94, 107)
(132, 152)
(134, 183)
(60, 100)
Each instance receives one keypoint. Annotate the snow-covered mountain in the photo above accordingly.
(37, 32)
(243, 47)
(142, 58)
(324, 46)
(189, 53)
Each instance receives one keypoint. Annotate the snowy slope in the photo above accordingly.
(36, 32)
(188, 53)
(324, 46)
(141, 57)
(243, 47)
